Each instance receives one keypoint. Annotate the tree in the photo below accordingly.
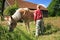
(54, 8)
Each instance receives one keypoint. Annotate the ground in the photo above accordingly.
(52, 32)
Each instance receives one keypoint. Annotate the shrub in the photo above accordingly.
(50, 28)
(10, 10)
(58, 13)
(52, 13)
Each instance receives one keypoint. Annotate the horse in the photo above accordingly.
(24, 14)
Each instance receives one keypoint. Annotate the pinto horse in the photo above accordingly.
(22, 13)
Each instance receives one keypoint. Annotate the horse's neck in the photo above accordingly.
(16, 16)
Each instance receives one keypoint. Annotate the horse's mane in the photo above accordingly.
(22, 9)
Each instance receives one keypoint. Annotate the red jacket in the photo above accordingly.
(38, 15)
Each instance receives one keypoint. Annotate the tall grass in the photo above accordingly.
(15, 35)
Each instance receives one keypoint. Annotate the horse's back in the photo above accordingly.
(28, 16)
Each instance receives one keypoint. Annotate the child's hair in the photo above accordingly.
(38, 6)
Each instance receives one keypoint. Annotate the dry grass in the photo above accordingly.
(55, 21)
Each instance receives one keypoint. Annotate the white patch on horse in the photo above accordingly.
(8, 19)
(16, 16)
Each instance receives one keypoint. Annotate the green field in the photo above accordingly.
(52, 27)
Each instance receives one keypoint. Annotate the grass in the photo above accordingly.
(52, 31)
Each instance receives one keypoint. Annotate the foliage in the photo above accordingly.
(50, 29)
(15, 35)
(10, 10)
(0, 3)
(54, 8)
(0, 6)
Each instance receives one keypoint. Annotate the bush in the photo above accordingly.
(52, 13)
(51, 29)
(10, 10)
(58, 13)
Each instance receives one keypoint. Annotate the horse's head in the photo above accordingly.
(11, 22)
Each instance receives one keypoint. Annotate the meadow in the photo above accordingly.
(51, 32)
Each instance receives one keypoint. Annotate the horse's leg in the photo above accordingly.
(27, 26)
